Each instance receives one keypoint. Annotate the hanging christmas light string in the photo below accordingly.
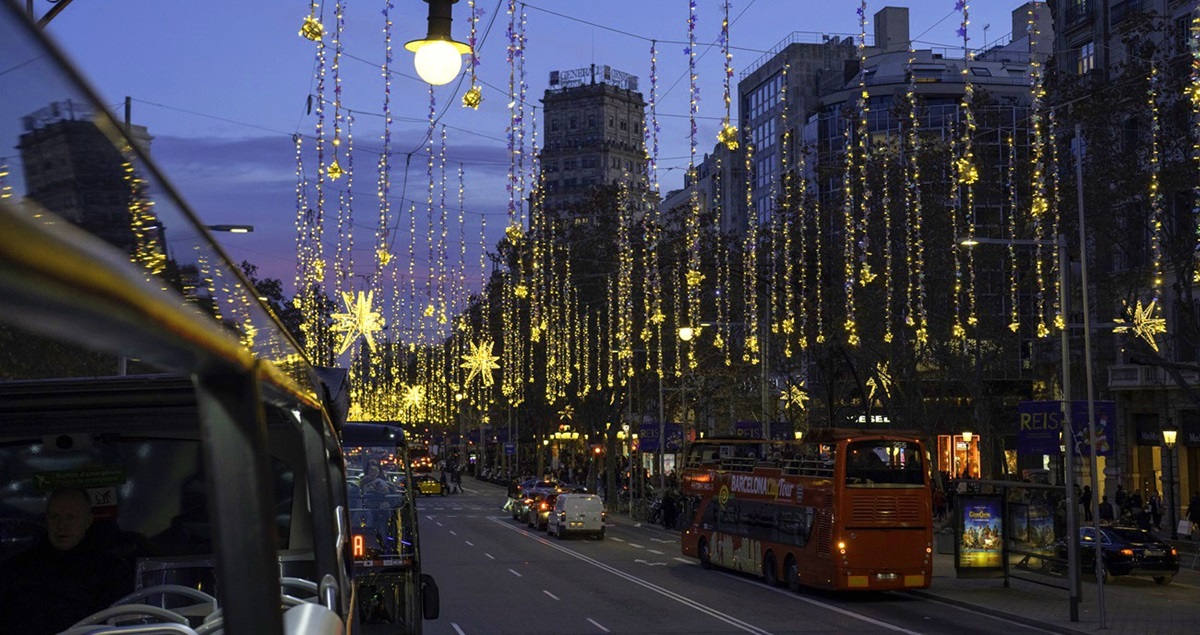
(728, 134)
(750, 262)
(888, 256)
(724, 274)
(513, 231)
(1060, 321)
(1155, 193)
(304, 257)
(335, 169)
(818, 261)
(694, 276)
(430, 302)
(443, 289)
(624, 286)
(787, 325)
(1014, 317)
(849, 226)
(1193, 93)
(654, 223)
(863, 151)
(965, 176)
(148, 250)
(1037, 158)
(383, 241)
(474, 95)
(5, 185)
(914, 246)
(316, 221)
(802, 263)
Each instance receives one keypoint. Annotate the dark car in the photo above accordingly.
(1127, 551)
(539, 510)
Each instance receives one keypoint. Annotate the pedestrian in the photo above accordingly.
(1121, 498)
(1086, 498)
(1106, 510)
(1156, 513)
(456, 482)
(939, 503)
(1193, 514)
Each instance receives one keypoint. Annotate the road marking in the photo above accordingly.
(550, 594)
(688, 602)
(656, 551)
(661, 540)
(469, 543)
(651, 564)
(490, 556)
(515, 573)
(617, 539)
(683, 560)
(457, 629)
(835, 609)
(597, 625)
(636, 546)
(440, 524)
(429, 517)
(453, 533)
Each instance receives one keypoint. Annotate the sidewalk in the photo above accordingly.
(1131, 605)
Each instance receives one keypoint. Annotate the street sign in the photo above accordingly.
(510, 448)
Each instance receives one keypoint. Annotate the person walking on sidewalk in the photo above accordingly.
(1106, 510)
(1193, 513)
(1155, 509)
(1086, 499)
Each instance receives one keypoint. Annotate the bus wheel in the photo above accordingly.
(705, 560)
(770, 576)
(792, 574)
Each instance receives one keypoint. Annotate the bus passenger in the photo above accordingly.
(63, 578)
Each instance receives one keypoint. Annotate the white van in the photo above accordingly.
(577, 513)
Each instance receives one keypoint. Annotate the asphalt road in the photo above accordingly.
(497, 576)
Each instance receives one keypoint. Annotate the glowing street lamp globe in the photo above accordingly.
(438, 62)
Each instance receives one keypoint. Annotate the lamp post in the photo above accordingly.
(967, 435)
(1170, 432)
(1067, 432)
(233, 229)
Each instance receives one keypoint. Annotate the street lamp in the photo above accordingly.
(233, 229)
(967, 435)
(438, 57)
(1170, 432)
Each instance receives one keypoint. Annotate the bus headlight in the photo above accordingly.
(842, 547)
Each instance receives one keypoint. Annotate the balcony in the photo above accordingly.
(1137, 377)
(1123, 10)
(1077, 14)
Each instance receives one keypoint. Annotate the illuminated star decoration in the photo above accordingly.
(472, 98)
(413, 395)
(1143, 324)
(796, 396)
(567, 413)
(335, 170)
(312, 28)
(881, 382)
(480, 361)
(358, 320)
(728, 136)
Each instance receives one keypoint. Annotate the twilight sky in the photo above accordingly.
(223, 85)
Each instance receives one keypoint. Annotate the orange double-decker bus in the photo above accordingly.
(844, 510)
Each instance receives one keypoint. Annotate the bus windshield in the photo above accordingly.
(884, 462)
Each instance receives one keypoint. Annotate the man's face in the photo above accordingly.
(68, 517)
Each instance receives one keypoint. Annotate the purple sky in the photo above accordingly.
(222, 86)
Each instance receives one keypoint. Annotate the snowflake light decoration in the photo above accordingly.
(359, 319)
(480, 361)
(413, 396)
(1142, 323)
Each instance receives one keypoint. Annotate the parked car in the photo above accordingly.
(1127, 551)
(520, 506)
(539, 510)
(577, 514)
(429, 486)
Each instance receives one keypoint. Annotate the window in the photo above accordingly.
(554, 125)
(573, 124)
(1087, 58)
(624, 125)
(981, 71)
(591, 121)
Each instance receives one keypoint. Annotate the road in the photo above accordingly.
(498, 576)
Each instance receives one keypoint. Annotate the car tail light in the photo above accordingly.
(543, 507)
(1127, 552)
(1174, 552)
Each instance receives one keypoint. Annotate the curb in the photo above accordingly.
(1021, 619)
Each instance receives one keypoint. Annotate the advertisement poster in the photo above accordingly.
(979, 548)
(1040, 424)
(1106, 416)
(1041, 527)
(1018, 522)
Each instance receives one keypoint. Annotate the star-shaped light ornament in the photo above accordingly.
(312, 28)
(1142, 323)
(335, 170)
(384, 257)
(728, 136)
(567, 413)
(881, 382)
(967, 172)
(472, 98)
(480, 361)
(796, 396)
(413, 396)
(514, 233)
(358, 320)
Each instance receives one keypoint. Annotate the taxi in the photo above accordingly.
(428, 486)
